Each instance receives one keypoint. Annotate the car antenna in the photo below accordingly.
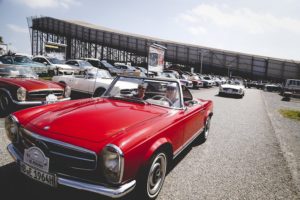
(95, 83)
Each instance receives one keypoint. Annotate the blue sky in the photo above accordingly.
(268, 28)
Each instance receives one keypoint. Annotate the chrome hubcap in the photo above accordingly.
(207, 125)
(156, 175)
(3, 102)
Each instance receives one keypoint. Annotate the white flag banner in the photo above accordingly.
(156, 58)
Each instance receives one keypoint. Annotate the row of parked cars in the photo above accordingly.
(49, 66)
(111, 145)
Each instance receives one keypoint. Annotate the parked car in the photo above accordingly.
(207, 82)
(291, 86)
(126, 69)
(90, 83)
(14, 59)
(56, 66)
(20, 88)
(273, 87)
(197, 83)
(81, 65)
(113, 144)
(112, 69)
(235, 88)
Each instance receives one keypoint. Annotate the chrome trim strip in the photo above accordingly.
(37, 102)
(187, 143)
(73, 157)
(113, 192)
(48, 89)
(63, 144)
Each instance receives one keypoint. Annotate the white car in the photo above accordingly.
(55, 66)
(235, 88)
(92, 83)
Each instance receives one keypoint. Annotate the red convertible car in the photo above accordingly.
(112, 144)
(20, 87)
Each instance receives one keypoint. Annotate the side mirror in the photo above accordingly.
(45, 63)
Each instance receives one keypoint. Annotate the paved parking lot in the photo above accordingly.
(245, 157)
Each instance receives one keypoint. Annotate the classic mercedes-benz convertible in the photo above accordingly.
(112, 144)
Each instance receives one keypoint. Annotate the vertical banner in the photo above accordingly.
(156, 58)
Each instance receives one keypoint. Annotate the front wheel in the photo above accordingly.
(152, 181)
(205, 133)
(5, 104)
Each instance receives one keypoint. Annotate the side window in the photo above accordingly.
(187, 96)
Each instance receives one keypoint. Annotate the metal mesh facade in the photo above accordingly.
(88, 40)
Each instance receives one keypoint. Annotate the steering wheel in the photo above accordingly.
(161, 97)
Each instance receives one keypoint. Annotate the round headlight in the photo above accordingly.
(21, 94)
(113, 163)
(67, 91)
(12, 128)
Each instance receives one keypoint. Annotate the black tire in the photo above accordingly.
(99, 92)
(5, 104)
(152, 180)
(204, 135)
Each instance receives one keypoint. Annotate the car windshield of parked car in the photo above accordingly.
(99, 74)
(17, 72)
(168, 75)
(106, 64)
(84, 63)
(22, 59)
(55, 61)
(159, 92)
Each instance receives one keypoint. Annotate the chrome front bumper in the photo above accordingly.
(113, 192)
(24, 103)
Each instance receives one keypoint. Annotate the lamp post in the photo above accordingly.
(201, 58)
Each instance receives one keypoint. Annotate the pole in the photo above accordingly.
(201, 61)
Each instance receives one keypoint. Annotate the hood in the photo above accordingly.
(232, 86)
(94, 120)
(63, 66)
(33, 64)
(33, 84)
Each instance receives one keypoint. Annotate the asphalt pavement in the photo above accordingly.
(243, 158)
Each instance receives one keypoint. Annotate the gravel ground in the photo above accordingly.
(287, 130)
(244, 158)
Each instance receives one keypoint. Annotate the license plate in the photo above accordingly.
(38, 175)
(51, 98)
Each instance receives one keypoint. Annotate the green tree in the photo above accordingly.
(1, 41)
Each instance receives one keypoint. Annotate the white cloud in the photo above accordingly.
(242, 19)
(49, 3)
(17, 28)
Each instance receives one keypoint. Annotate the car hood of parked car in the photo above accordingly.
(92, 120)
(232, 86)
(64, 66)
(32, 84)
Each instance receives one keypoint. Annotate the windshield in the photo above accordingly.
(206, 78)
(99, 73)
(106, 64)
(147, 91)
(17, 72)
(22, 59)
(55, 61)
(168, 75)
(85, 63)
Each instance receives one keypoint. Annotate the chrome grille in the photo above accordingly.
(234, 90)
(43, 93)
(63, 156)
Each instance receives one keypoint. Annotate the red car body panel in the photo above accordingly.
(32, 84)
(137, 129)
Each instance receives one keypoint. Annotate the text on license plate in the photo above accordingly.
(38, 175)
